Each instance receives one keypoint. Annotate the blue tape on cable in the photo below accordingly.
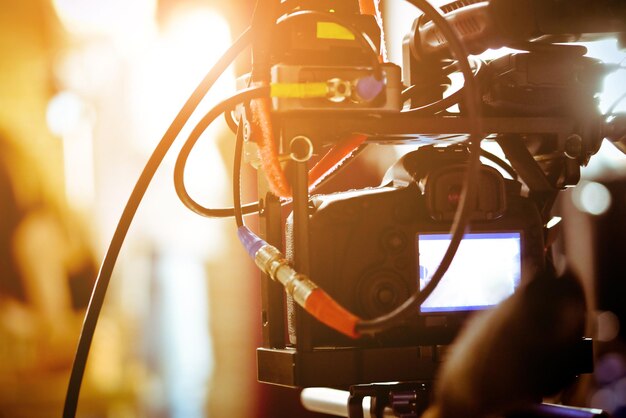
(250, 240)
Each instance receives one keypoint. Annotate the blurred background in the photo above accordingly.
(87, 89)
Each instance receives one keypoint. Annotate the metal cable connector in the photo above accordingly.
(272, 262)
(305, 292)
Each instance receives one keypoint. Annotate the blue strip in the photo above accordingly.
(251, 242)
(489, 235)
(455, 308)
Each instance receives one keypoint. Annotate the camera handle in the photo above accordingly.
(410, 400)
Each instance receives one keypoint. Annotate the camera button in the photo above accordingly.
(394, 241)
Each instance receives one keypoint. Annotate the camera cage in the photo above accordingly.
(562, 139)
(546, 151)
(304, 365)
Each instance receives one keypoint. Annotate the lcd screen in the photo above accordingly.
(485, 270)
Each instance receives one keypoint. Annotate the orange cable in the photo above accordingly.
(263, 135)
(326, 310)
(332, 159)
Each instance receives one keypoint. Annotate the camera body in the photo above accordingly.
(370, 249)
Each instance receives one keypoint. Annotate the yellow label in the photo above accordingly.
(298, 90)
(331, 30)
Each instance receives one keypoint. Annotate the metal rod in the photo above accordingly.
(301, 259)
(272, 293)
(335, 402)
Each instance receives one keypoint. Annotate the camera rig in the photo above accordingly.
(306, 365)
(318, 82)
(540, 107)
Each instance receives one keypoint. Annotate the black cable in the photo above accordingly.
(230, 121)
(247, 209)
(611, 109)
(263, 22)
(181, 161)
(237, 173)
(436, 107)
(106, 269)
(500, 162)
(446, 102)
(407, 93)
(237, 176)
(462, 215)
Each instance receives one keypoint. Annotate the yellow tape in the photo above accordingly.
(331, 30)
(298, 90)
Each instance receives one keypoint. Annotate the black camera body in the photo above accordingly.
(370, 249)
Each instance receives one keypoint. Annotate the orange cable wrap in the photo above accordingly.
(263, 135)
(326, 310)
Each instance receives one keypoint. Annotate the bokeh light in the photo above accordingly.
(592, 198)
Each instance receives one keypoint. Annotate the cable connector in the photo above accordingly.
(272, 262)
(303, 290)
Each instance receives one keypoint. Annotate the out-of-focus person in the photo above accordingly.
(46, 274)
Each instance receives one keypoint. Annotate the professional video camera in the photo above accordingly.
(372, 249)
(377, 282)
